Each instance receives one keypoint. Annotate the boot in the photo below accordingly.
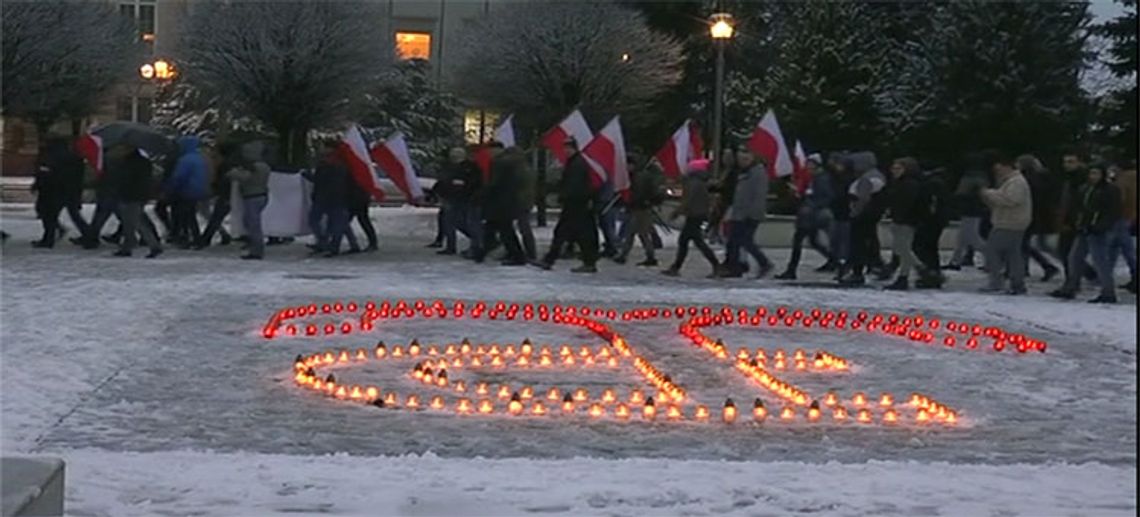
(763, 270)
(854, 280)
(900, 284)
(1050, 272)
(930, 281)
(788, 274)
(542, 264)
(1103, 299)
(620, 259)
(121, 253)
(1063, 294)
(154, 253)
(585, 268)
(828, 267)
(1130, 286)
(649, 262)
(671, 271)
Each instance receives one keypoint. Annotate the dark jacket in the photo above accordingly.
(903, 198)
(59, 176)
(134, 178)
(501, 199)
(1099, 207)
(695, 198)
(574, 188)
(934, 199)
(188, 181)
(1046, 194)
(331, 182)
(1069, 207)
(645, 189)
(840, 204)
(967, 194)
(458, 182)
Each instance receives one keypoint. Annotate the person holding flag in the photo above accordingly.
(749, 209)
(576, 222)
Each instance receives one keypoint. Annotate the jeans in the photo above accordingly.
(130, 214)
(1097, 245)
(105, 207)
(864, 244)
(902, 244)
(522, 223)
(742, 235)
(214, 223)
(1120, 243)
(328, 223)
(839, 236)
(969, 238)
(1003, 253)
(607, 221)
(505, 231)
(251, 208)
(185, 219)
(360, 215)
(1036, 253)
(692, 232)
(812, 236)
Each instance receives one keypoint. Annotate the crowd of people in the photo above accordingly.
(1008, 210)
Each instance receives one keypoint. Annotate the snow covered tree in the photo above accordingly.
(1118, 113)
(406, 99)
(540, 60)
(988, 74)
(181, 109)
(293, 66)
(61, 58)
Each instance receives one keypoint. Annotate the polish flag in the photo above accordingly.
(683, 146)
(801, 178)
(392, 156)
(607, 152)
(505, 133)
(90, 148)
(768, 142)
(573, 126)
(355, 154)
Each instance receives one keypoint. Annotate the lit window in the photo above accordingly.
(479, 125)
(413, 45)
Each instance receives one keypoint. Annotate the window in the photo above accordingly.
(479, 125)
(413, 45)
(145, 110)
(144, 15)
(134, 109)
(124, 109)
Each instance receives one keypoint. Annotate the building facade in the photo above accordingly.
(419, 29)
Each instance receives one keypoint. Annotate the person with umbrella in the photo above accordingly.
(134, 183)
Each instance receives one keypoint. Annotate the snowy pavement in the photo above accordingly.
(150, 379)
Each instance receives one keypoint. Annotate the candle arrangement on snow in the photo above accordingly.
(437, 367)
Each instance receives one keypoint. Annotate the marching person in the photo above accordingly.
(1011, 211)
(501, 207)
(934, 216)
(1122, 233)
(1098, 204)
(186, 188)
(865, 197)
(58, 169)
(329, 215)
(645, 196)
(904, 198)
(135, 181)
(839, 232)
(749, 208)
(1074, 178)
(252, 177)
(221, 189)
(812, 217)
(576, 222)
(971, 211)
(1037, 178)
(695, 205)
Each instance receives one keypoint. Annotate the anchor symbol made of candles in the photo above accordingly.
(436, 366)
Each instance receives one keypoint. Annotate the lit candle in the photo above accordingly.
(504, 391)
(702, 413)
(649, 410)
(515, 406)
(412, 402)
(355, 393)
(481, 388)
(864, 416)
(527, 393)
(581, 395)
(537, 409)
(886, 400)
(787, 413)
(390, 399)
(361, 354)
(622, 411)
(486, 407)
(813, 411)
(397, 351)
(567, 404)
(608, 396)
(463, 407)
(437, 402)
(553, 395)
(673, 413)
(890, 416)
(596, 410)
(839, 413)
(729, 414)
(636, 396)
(759, 412)
(922, 417)
(372, 393)
(859, 399)
(341, 393)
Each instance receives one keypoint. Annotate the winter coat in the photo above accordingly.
(865, 192)
(967, 194)
(695, 198)
(750, 197)
(1011, 204)
(59, 176)
(459, 182)
(814, 210)
(645, 189)
(1126, 182)
(840, 204)
(1099, 207)
(331, 182)
(574, 187)
(134, 178)
(528, 182)
(933, 199)
(501, 201)
(903, 198)
(253, 175)
(188, 181)
(1070, 205)
(1046, 194)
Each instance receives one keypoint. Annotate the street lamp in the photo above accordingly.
(161, 70)
(721, 30)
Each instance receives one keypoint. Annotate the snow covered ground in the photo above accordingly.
(149, 378)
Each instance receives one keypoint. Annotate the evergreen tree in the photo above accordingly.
(406, 100)
(1118, 114)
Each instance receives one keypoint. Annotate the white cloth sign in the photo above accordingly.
(287, 212)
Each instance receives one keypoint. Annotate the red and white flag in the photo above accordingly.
(355, 154)
(607, 152)
(768, 142)
(801, 178)
(505, 133)
(573, 126)
(392, 156)
(683, 146)
(90, 148)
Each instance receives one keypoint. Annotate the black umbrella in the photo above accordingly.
(137, 135)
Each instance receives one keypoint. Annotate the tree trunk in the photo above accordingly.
(292, 145)
(540, 189)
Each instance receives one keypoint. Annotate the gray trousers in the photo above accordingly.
(902, 244)
(251, 208)
(641, 226)
(1003, 254)
(130, 214)
(969, 236)
(839, 235)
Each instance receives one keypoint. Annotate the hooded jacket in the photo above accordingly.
(188, 181)
(1098, 207)
(750, 197)
(252, 174)
(865, 191)
(1011, 203)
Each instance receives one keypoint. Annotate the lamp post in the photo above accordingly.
(721, 30)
